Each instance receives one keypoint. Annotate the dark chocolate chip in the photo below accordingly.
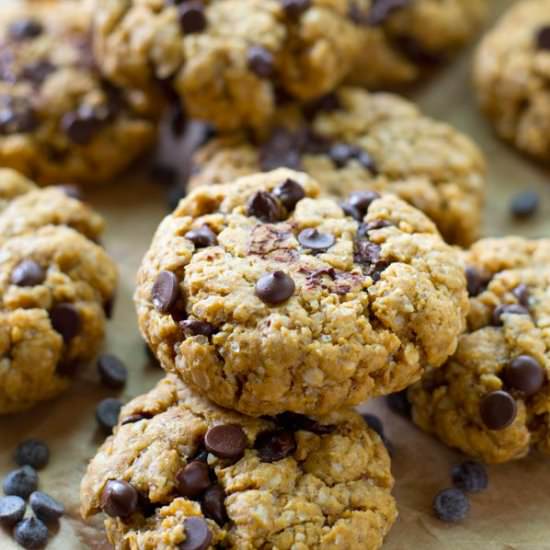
(32, 452)
(275, 445)
(341, 154)
(374, 423)
(28, 273)
(38, 71)
(470, 477)
(524, 204)
(165, 291)
(290, 193)
(197, 534)
(107, 413)
(525, 374)
(72, 191)
(265, 206)
(24, 29)
(46, 508)
(192, 17)
(351, 211)
(543, 38)
(275, 288)
(299, 422)
(521, 292)
(362, 200)
(202, 237)
(372, 226)
(66, 320)
(498, 410)
(507, 309)
(281, 150)
(193, 479)
(194, 327)
(295, 8)
(119, 499)
(368, 255)
(226, 441)
(21, 482)
(474, 281)
(399, 404)
(382, 9)
(260, 61)
(82, 125)
(213, 504)
(133, 418)
(451, 505)
(31, 533)
(12, 509)
(315, 240)
(112, 371)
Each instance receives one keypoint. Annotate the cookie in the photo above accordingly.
(512, 77)
(491, 399)
(59, 120)
(180, 472)
(266, 298)
(354, 140)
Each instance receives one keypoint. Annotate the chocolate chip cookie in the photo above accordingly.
(353, 140)
(512, 77)
(491, 400)
(266, 298)
(59, 120)
(181, 473)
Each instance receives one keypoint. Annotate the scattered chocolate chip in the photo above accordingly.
(351, 211)
(470, 477)
(543, 38)
(341, 154)
(197, 534)
(46, 508)
(362, 200)
(194, 327)
(507, 309)
(475, 282)
(82, 125)
(524, 204)
(31, 533)
(299, 422)
(226, 441)
(12, 509)
(28, 273)
(315, 240)
(192, 17)
(133, 418)
(21, 482)
(374, 423)
(202, 237)
(265, 207)
(368, 255)
(112, 371)
(119, 499)
(65, 320)
(498, 410)
(72, 191)
(521, 292)
(525, 374)
(382, 9)
(364, 228)
(165, 291)
(17, 116)
(295, 8)
(107, 413)
(38, 71)
(275, 445)
(451, 505)
(24, 29)
(275, 288)
(399, 404)
(213, 504)
(193, 479)
(32, 452)
(281, 150)
(260, 61)
(290, 193)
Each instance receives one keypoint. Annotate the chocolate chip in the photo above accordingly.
(12, 509)
(193, 479)
(351, 211)
(119, 499)
(107, 413)
(66, 320)
(38, 71)
(265, 207)
(275, 288)
(475, 282)
(362, 200)
(470, 477)
(21, 482)
(315, 240)
(112, 371)
(28, 273)
(290, 193)
(202, 237)
(72, 191)
(24, 29)
(165, 291)
(382, 9)
(192, 17)
(368, 255)
(498, 410)
(197, 534)
(507, 309)
(525, 374)
(213, 504)
(32, 452)
(31, 533)
(524, 204)
(521, 292)
(46, 508)
(364, 228)
(451, 505)
(133, 418)
(275, 445)
(299, 422)
(295, 8)
(341, 154)
(374, 423)
(226, 441)
(543, 38)
(82, 125)
(17, 117)
(281, 150)
(260, 61)
(194, 327)
(399, 404)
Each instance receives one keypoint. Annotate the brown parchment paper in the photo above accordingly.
(514, 514)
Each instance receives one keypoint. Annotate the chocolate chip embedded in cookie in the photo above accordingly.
(296, 304)
(490, 399)
(192, 475)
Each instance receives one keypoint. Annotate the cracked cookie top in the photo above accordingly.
(179, 472)
(267, 298)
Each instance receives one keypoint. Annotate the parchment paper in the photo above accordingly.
(514, 514)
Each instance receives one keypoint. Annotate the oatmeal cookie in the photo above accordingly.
(266, 298)
(181, 473)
